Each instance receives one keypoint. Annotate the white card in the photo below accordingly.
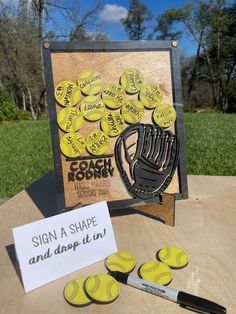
(53, 247)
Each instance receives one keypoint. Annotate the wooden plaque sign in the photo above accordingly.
(115, 110)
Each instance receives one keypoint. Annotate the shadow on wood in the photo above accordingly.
(43, 194)
(163, 211)
(12, 255)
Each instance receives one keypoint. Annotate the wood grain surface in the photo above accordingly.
(156, 69)
(205, 228)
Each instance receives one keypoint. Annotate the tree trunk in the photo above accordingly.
(34, 116)
(40, 34)
(214, 89)
(193, 75)
(23, 99)
(1, 83)
(44, 85)
(225, 89)
(214, 93)
(40, 7)
(13, 96)
(218, 84)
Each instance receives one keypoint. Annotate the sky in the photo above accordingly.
(110, 15)
(114, 10)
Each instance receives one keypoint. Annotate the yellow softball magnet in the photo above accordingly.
(157, 272)
(173, 256)
(112, 123)
(164, 115)
(132, 80)
(72, 144)
(97, 143)
(92, 107)
(90, 82)
(150, 96)
(67, 93)
(132, 111)
(114, 96)
(70, 119)
(120, 261)
(74, 293)
(102, 288)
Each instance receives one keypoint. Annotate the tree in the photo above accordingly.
(209, 24)
(222, 51)
(22, 30)
(79, 33)
(134, 23)
(164, 27)
(21, 64)
(195, 18)
(42, 8)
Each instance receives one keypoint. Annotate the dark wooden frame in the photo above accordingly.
(106, 46)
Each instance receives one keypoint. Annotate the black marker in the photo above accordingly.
(180, 297)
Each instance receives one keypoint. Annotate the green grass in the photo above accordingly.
(25, 149)
(210, 140)
(25, 154)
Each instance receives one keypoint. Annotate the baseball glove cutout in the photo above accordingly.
(146, 157)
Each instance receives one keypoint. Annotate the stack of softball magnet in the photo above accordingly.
(115, 105)
(99, 288)
(103, 288)
(70, 119)
(150, 97)
(160, 272)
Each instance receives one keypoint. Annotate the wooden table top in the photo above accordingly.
(205, 228)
